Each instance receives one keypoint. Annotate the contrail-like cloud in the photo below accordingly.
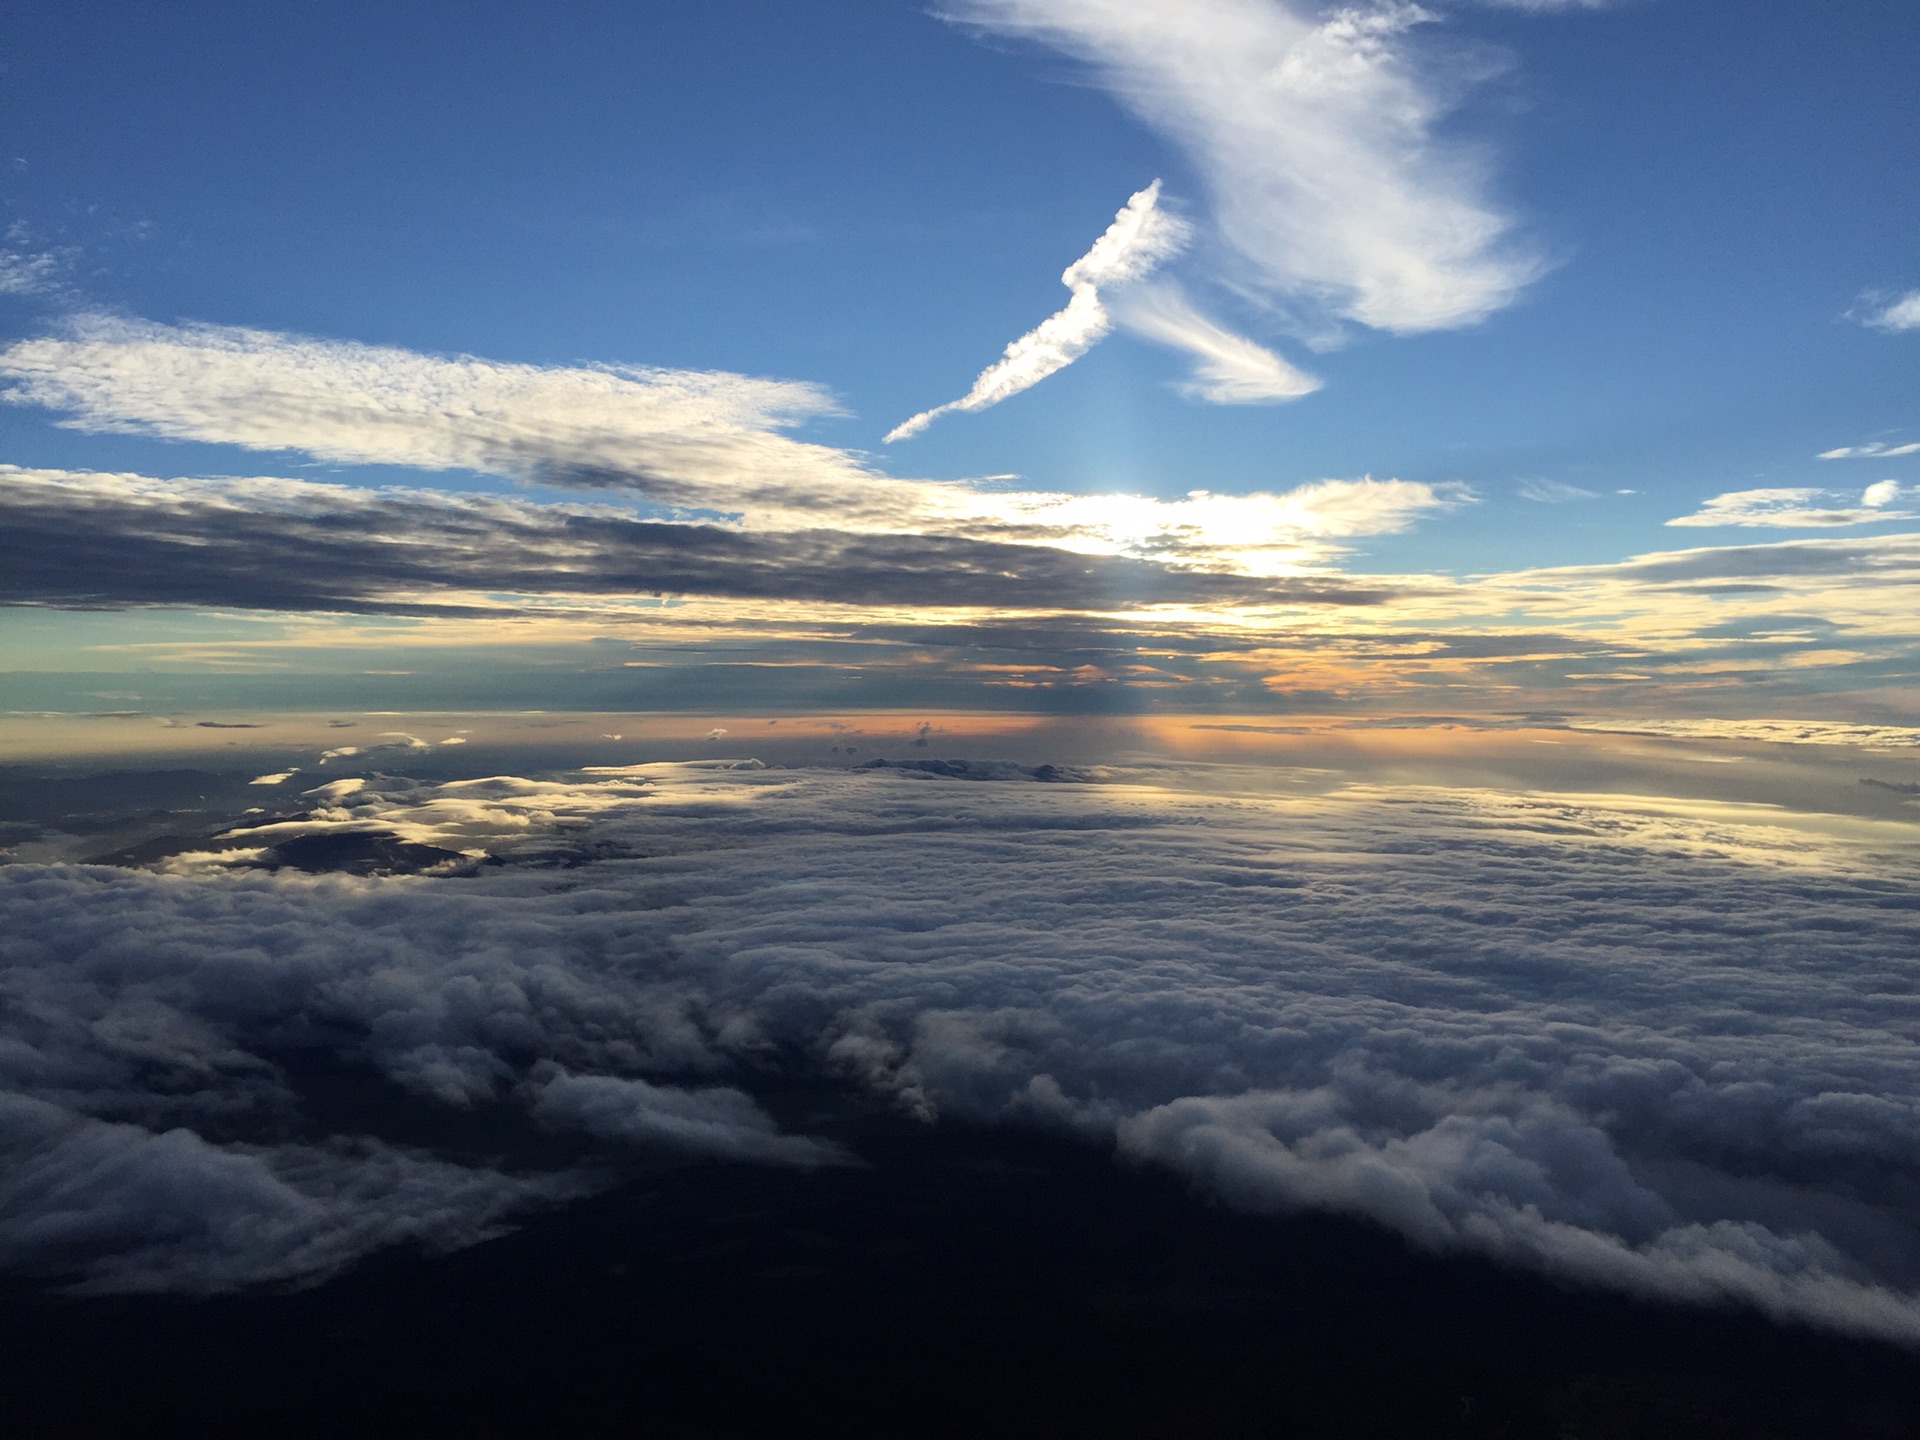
(1140, 237)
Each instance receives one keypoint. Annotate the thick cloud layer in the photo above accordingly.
(1626, 1043)
(101, 540)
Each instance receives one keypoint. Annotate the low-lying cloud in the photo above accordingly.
(1614, 1041)
(1892, 314)
(1872, 450)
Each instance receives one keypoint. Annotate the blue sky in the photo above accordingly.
(1699, 221)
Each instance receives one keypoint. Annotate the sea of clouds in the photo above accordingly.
(1666, 1049)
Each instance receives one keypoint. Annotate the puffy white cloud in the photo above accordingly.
(1140, 237)
(1895, 315)
(1316, 135)
(1796, 507)
(1627, 1041)
(1772, 732)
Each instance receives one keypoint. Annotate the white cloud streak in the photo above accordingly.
(1545, 7)
(1797, 508)
(1228, 369)
(1877, 450)
(30, 273)
(1316, 136)
(1140, 237)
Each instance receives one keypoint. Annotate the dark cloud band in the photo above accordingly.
(106, 541)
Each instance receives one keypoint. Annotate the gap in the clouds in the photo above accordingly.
(967, 1281)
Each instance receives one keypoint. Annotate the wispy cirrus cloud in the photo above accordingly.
(1798, 507)
(1553, 492)
(1140, 237)
(1228, 369)
(1873, 450)
(1317, 136)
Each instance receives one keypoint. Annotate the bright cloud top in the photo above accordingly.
(703, 442)
(1798, 507)
(1315, 134)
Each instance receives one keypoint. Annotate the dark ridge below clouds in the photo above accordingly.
(113, 541)
(970, 1281)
